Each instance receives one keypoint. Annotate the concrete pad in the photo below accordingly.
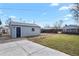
(29, 46)
(48, 52)
(13, 51)
(7, 45)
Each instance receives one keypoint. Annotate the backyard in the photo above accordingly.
(66, 43)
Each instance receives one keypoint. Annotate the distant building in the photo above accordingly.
(71, 29)
(51, 30)
(18, 29)
(4, 30)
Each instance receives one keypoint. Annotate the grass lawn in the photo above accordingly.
(63, 42)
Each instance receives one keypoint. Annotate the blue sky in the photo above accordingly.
(40, 13)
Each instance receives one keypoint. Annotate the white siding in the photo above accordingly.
(25, 31)
(72, 29)
(13, 32)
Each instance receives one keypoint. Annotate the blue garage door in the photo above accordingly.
(18, 32)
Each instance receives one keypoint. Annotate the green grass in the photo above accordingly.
(66, 43)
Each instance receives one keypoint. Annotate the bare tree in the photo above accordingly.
(8, 21)
(47, 26)
(75, 12)
(0, 22)
(58, 24)
(0, 27)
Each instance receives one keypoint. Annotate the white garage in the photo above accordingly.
(18, 29)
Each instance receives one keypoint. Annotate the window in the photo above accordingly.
(33, 29)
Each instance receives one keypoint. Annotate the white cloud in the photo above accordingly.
(13, 18)
(54, 4)
(66, 18)
(1, 12)
(65, 7)
(68, 15)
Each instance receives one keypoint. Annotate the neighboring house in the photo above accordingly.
(71, 29)
(50, 30)
(4, 30)
(18, 29)
(0, 30)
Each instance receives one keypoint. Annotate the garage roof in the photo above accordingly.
(23, 24)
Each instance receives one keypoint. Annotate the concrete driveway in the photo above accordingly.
(27, 48)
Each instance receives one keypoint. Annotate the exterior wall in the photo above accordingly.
(13, 32)
(25, 31)
(70, 29)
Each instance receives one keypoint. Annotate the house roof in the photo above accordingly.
(71, 26)
(23, 24)
(51, 28)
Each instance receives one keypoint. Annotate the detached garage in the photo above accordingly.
(18, 29)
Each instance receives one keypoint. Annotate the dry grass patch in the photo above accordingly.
(62, 42)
